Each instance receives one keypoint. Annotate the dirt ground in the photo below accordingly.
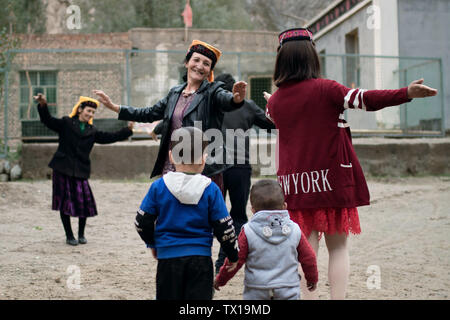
(405, 236)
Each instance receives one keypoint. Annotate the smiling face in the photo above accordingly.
(85, 114)
(198, 67)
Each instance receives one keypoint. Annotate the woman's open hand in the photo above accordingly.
(106, 100)
(40, 98)
(239, 91)
(418, 90)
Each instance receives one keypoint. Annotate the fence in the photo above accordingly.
(142, 77)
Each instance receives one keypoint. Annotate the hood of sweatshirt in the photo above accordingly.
(273, 226)
(187, 188)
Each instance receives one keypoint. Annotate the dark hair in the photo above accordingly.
(185, 144)
(296, 61)
(189, 56)
(203, 51)
(227, 79)
(267, 195)
(88, 104)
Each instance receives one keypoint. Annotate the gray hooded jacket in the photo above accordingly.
(272, 260)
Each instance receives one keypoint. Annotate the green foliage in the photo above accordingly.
(22, 16)
(120, 16)
(101, 16)
(7, 42)
(220, 14)
(10, 155)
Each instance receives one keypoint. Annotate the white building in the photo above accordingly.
(396, 30)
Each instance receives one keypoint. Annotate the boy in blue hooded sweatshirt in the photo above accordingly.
(271, 245)
(177, 219)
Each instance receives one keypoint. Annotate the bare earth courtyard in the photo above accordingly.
(402, 252)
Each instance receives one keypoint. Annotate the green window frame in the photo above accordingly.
(259, 84)
(32, 83)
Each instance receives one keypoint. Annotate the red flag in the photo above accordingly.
(187, 15)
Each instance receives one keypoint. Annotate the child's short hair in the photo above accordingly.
(267, 195)
(187, 145)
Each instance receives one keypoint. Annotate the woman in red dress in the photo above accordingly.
(318, 169)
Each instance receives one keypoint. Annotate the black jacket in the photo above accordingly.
(208, 106)
(245, 118)
(72, 156)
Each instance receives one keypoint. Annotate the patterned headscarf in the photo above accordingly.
(208, 51)
(86, 101)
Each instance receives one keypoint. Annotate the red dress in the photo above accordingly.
(318, 169)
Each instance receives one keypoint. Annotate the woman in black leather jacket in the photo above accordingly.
(198, 99)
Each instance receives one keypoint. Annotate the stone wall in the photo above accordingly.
(135, 160)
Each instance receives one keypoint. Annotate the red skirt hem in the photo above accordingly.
(327, 220)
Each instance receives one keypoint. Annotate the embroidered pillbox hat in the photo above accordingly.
(294, 34)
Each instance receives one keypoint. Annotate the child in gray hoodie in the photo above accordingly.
(271, 245)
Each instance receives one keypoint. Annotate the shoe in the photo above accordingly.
(82, 240)
(72, 242)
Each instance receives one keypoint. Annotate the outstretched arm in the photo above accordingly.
(229, 101)
(418, 90)
(103, 137)
(106, 101)
(373, 100)
(147, 114)
(46, 118)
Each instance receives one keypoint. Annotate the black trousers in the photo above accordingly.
(185, 278)
(236, 181)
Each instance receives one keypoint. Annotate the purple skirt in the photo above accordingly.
(73, 196)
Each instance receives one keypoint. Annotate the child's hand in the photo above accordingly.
(40, 98)
(216, 285)
(311, 286)
(417, 90)
(154, 136)
(266, 95)
(232, 266)
(154, 253)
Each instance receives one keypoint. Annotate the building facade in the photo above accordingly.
(136, 68)
(410, 35)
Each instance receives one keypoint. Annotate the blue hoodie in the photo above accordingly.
(185, 206)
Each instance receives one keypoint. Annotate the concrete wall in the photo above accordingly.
(424, 31)
(135, 160)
